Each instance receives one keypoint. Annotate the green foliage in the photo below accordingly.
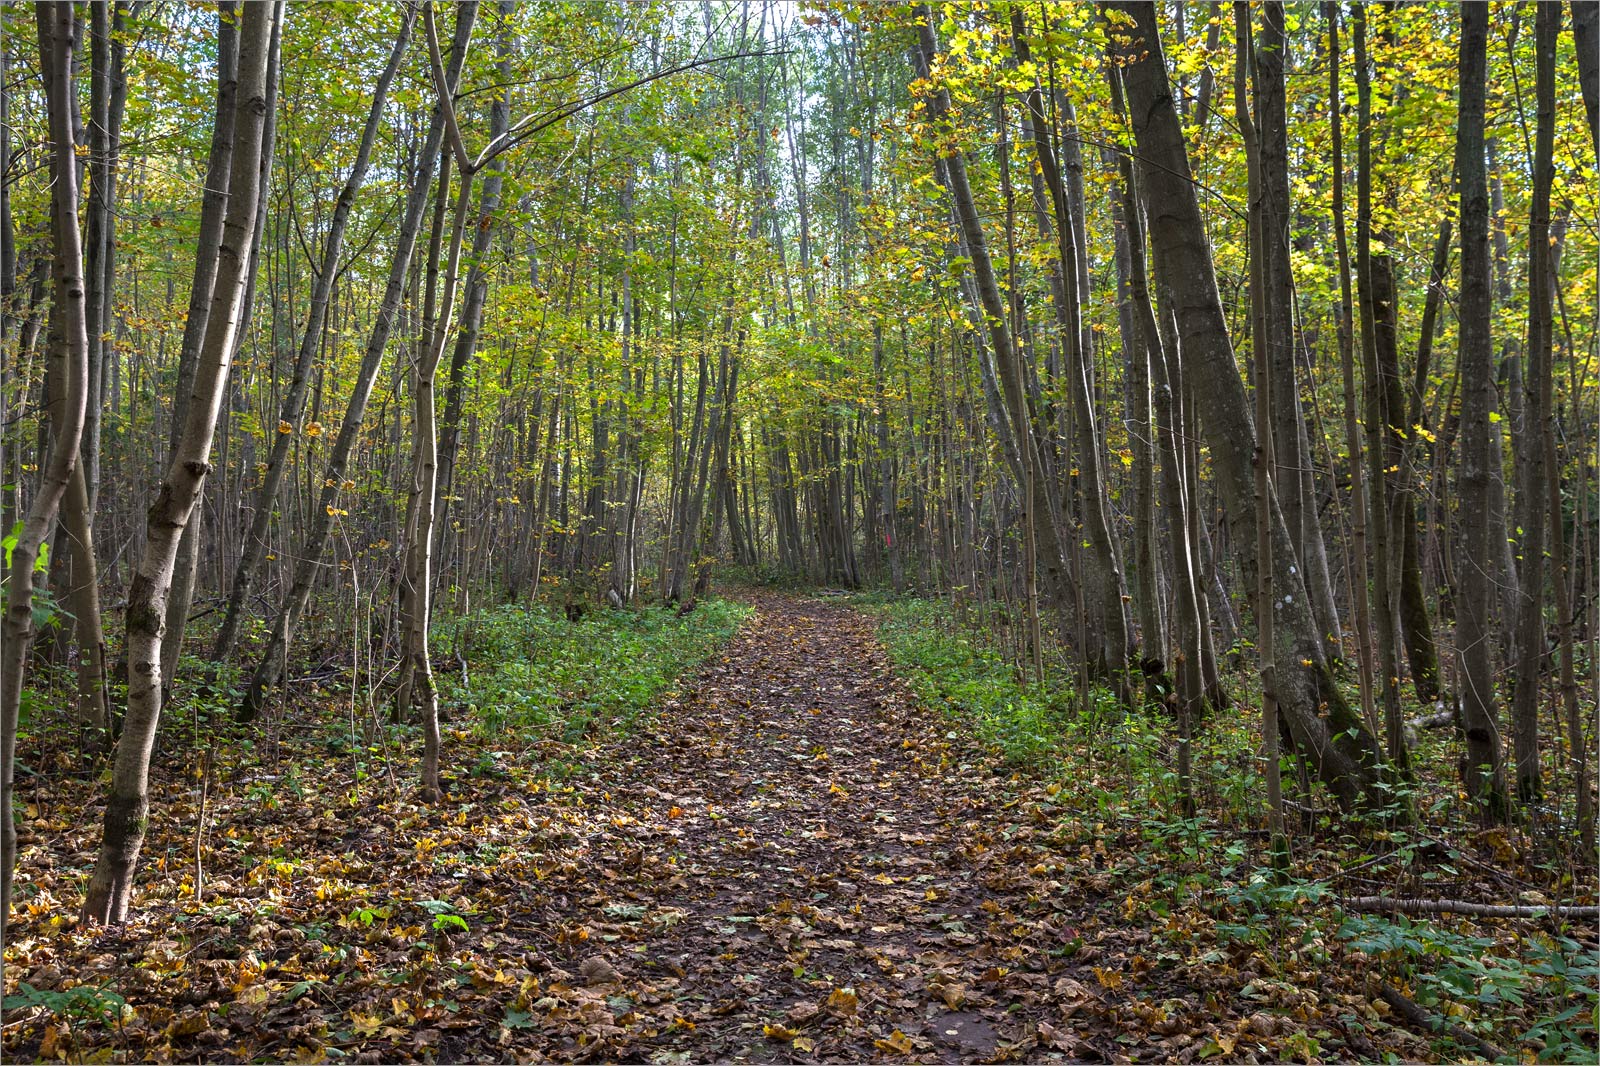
(545, 675)
(1471, 978)
(964, 673)
(83, 1003)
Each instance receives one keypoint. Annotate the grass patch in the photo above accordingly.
(532, 672)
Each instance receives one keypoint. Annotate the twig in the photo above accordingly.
(200, 826)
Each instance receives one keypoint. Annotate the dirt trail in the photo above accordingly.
(807, 865)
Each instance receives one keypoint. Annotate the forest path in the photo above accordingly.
(806, 864)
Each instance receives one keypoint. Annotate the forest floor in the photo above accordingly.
(791, 860)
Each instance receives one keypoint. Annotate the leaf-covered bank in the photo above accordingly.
(1107, 774)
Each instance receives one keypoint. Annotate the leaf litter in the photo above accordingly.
(790, 861)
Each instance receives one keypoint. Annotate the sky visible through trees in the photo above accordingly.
(685, 531)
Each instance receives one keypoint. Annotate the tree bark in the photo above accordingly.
(127, 808)
(1483, 770)
(1336, 741)
(57, 29)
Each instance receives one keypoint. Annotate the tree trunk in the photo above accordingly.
(1483, 770)
(213, 210)
(1356, 558)
(1270, 332)
(1375, 286)
(255, 543)
(477, 292)
(127, 808)
(1102, 582)
(309, 553)
(1291, 449)
(57, 28)
(1532, 498)
(1323, 728)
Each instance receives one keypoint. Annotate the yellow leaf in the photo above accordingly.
(843, 1000)
(778, 1032)
(1108, 978)
(314, 429)
(896, 1041)
(284, 427)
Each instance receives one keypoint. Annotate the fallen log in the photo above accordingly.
(1419, 1018)
(1390, 905)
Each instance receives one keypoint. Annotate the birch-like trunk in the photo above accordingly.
(128, 806)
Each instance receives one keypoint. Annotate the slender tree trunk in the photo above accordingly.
(1102, 582)
(309, 552)
(213, 210)
(1189, 666)
(127, 808)
(1377, 332)
(83, 588)
(257, 540)
(57, 29)
(1291, 448)
(476, 295)
(1532, 497)
(1270, 332)
(1416, 628)
(1356, 558)
(992, 307)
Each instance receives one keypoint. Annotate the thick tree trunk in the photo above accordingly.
(127, 808)
(1483, 770)
(1323, 728)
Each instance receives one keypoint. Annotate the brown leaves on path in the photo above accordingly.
(791, 861)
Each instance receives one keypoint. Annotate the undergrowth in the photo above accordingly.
(1204, 884)
(531, 671)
